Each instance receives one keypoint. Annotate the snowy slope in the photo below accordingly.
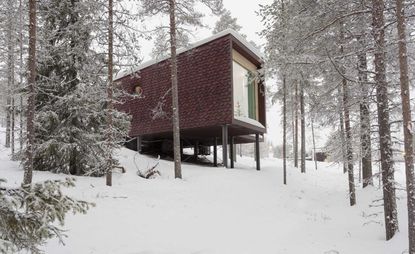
(226, 211)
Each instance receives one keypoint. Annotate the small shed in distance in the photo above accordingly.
(221, 98)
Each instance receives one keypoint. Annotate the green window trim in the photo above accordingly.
(251, 96)
(245, 94)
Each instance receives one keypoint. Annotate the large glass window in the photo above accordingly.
(244, 96)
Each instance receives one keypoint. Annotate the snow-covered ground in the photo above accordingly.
(227, 211)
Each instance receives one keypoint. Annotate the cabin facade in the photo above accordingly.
(221, 98)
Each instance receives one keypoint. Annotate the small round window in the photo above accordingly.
(138, 90)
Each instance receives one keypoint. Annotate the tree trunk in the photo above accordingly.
(360, 165)
(349, 149)
(341, 123)
(407, 123)
(27, 179)
(296, 126)
(175, 93)
(11, 109)
(284, 124)
(284, 88)
(109, 92)
(12, 124)
(10, 71)
(302, 113)
(292, 121)
(314, 144)
(388, 180)
(365, 139)
(11, 79)
(21, 67)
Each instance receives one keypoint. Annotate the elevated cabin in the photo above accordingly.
(221, 98)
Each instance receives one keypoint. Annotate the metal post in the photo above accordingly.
(215, 153)
(257, 157)
(232, 152)
(139, 144)
(196, 149)
(225, 145)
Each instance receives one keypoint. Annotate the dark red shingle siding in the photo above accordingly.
(205, 90)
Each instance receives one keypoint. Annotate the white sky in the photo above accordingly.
(244, 11)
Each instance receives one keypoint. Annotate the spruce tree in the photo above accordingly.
(161, 43)
(226, 21)
(71, 133)
(32, 214)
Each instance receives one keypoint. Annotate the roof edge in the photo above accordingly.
(223, 33)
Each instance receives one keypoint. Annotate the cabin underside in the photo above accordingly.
(204, 141)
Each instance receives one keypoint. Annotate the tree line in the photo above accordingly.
(344, 64)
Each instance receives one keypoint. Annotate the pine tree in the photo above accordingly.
(314, 144)
(389, 196)
(311, 56)
(343, 78)
(296, 103)
(28, 164)
(341, 129)
(284, 88)
(175, 91)
(348, 131)
(10, 60)
(11, 35)
(161, 43)
(21, 77)
(364, 107)
(110, 105)
(407, 122)
(180, 13)
(226, 21)
(29, 214)
(284, 131)
(302, 120)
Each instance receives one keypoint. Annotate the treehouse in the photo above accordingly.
(221, 98)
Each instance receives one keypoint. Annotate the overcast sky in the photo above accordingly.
(244, 11)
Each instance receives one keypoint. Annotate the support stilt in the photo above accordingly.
(232, 152)
(225, 145)
(215, 153)
(139, 144)
(257, 157)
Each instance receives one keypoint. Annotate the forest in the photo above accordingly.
(339, 68)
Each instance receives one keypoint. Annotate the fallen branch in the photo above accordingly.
(122, 169)
(151, 172)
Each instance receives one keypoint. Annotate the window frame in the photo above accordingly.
(252, 89)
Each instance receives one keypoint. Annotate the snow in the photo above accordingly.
(222, 211)
(250, 121)
(192, 46)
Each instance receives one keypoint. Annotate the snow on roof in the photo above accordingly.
(232, 32)
(250, 121)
